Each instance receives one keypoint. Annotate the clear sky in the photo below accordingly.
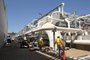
(22, 12)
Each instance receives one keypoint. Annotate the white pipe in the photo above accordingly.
(80, 24)
(62, 9)
(59, 8)
(83, 42)
(68, 22)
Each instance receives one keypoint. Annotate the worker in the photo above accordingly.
(41, 43)
(60, 47)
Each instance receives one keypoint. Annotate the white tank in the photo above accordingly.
(3, 22)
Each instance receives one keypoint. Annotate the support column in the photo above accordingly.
(54, 30)
(50, 35)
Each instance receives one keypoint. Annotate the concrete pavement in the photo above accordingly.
(16, 53)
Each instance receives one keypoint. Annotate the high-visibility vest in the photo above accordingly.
(59, 42)
(41, 42)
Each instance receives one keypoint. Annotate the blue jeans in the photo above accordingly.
(59, 50)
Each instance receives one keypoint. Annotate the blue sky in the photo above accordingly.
(22, 12)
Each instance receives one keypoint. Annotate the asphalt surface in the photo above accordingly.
(15, 53)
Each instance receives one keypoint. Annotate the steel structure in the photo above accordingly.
(57, 21)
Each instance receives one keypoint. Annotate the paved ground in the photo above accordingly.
(75, 53)
(16, 53)
(13, 52)
(53, 56)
